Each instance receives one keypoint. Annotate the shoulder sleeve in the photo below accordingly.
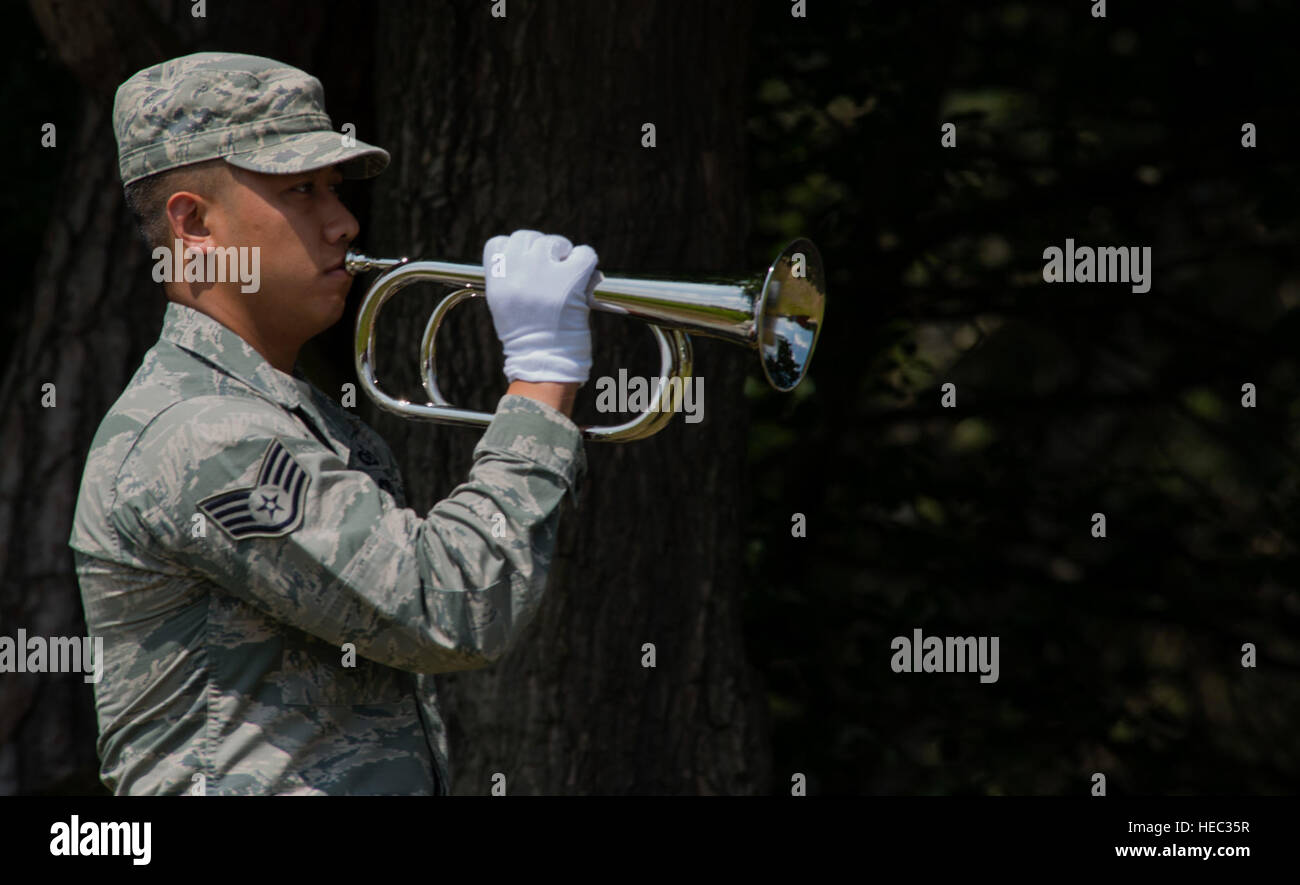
(237, 490)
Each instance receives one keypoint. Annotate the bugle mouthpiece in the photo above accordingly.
(355, 263)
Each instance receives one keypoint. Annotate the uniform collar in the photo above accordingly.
(212, 342)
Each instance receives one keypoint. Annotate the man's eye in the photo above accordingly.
(308, 186)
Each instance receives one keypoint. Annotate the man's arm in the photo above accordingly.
(557, 395)
(332, 554)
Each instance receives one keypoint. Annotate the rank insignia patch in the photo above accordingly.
(272, 507)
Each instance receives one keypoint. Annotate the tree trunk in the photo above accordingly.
(536, 120)
(89, 318)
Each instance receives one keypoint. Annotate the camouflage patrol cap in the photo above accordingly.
(257, 113)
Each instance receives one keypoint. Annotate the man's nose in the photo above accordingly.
(342, 224)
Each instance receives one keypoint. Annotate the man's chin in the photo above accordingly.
(337, 292)
(320, 310)
(335, 305)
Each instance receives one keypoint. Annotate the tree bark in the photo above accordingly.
(84, 327)
(536, 120)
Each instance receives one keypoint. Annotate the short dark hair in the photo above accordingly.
(147, 197)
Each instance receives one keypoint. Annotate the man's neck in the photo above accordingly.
(282, 358)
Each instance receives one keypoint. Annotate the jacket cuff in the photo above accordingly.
(526, 428)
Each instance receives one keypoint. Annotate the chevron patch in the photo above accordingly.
(272, 507)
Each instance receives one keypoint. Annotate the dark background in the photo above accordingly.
(1119, 655)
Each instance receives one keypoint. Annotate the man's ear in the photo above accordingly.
(187, 220)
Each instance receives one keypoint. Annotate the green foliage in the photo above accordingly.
(1119, 655)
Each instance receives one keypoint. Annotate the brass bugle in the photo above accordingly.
(777, 313)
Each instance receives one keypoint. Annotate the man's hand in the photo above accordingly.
(537, 292)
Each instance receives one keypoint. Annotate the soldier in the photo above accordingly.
(271, 612)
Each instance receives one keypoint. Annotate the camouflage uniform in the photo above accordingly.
(222, 651)
(236, 527)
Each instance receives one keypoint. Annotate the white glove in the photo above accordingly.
(537, 290)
